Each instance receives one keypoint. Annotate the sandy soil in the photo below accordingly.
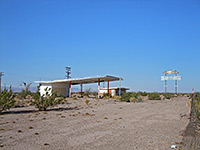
(104, 125)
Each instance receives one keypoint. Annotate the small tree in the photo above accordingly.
(6, 100)
(42, 102)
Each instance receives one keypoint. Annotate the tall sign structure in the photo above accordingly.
(68, 72)
(1, 74)
(176, 77)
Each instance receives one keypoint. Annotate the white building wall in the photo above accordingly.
(112, 92)
(43, 87)
(103, 91)
(106, 91)
(60, 88)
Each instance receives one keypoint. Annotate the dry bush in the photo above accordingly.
(87, 102)
(116, 97)
(6, 100)
(154, 96)
(45, 101)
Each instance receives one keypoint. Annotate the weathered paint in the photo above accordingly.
(60, 88)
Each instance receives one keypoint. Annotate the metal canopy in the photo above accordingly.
(86, 80)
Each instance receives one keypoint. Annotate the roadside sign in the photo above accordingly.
(163, 78)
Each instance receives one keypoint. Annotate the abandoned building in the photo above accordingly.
(63, 87)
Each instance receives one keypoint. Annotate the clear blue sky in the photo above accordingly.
(134, 39)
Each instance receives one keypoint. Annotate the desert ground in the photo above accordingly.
(102, 124)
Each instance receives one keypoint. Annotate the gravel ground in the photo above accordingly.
(104, 125)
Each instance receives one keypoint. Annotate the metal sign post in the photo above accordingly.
(165, 85)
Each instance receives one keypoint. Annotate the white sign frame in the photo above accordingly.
(163, 78)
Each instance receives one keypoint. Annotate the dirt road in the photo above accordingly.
(104, 125)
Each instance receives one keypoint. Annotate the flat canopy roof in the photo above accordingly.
(83, 80)
(115, 88)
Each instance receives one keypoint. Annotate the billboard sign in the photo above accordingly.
(170, 78)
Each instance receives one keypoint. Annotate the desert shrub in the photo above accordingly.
(154, 96)
(46, 100)
(116, 97)
(6, 100)
(131, 97)
(134, 99)
(87, 92)
(105, 95)
(74, 98)
(168, 95)
(87, 102)
(197, 104)
(126, 97)
(139, 99)
(62, 96)
(95, 93)
(25, 90)
(142, 93)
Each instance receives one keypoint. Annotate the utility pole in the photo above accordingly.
(68, 71)
(1, 74)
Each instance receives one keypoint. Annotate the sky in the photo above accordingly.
(133, 39)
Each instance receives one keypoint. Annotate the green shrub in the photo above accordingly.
(105, 95)
(126, 97)
(131, 97)
(25, 90)
(168, 95)
(46, 100)
(142, 93)
(87, 92)
(6, 100)
(95, 93)
(154, 96)
(139, 99)
(197, 104)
